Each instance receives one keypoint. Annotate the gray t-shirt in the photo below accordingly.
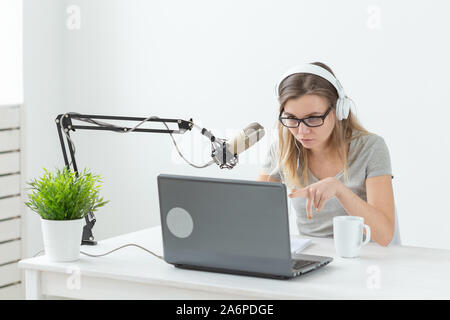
(368, 157)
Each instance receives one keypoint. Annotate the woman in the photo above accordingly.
(332, 164)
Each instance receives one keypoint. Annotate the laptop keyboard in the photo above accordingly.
(298, 264)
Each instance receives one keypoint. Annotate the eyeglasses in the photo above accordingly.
(313, 121)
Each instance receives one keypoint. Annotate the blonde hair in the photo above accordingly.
(344, 131)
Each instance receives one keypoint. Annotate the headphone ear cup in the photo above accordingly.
(342, 108)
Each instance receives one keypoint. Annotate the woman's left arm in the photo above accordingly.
(378, 212)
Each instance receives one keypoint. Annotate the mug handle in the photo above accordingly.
(366, 241)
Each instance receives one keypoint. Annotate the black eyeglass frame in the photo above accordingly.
(280, 118)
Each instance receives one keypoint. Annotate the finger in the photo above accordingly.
(317, 197)
(307, 208)
(293, 191)
(309, 203)
(299, 193)
(322, 202)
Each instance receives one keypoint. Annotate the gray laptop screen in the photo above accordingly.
(225, 223)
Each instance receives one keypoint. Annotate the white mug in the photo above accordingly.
(348, 235)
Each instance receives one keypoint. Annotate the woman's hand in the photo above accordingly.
(318, 193)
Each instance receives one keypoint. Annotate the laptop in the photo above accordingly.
(229, 226)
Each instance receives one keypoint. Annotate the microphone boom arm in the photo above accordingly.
(64, 125)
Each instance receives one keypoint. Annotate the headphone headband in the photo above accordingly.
(343, 103)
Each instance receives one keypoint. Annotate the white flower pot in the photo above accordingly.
(62, 239)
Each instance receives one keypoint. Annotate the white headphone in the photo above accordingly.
(343, 103)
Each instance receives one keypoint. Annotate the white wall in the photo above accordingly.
(218, 63)
(11, 52)
(43, 84)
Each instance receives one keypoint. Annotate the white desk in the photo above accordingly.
(131, 273)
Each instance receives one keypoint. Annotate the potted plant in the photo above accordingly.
(63, 199)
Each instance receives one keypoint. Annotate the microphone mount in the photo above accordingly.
(219, 151)
(222, 156)
(64, 124)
